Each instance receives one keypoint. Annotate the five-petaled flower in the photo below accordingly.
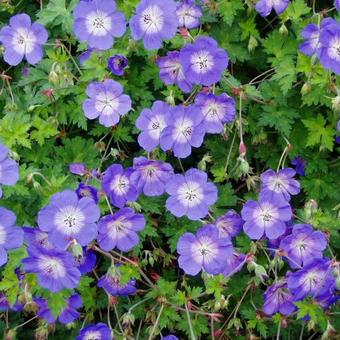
(98, 22)
(68, 218)
(203, 61)
(267, 216)
(154, 21)
(191, 194)
(106, 101)
(203, 251)
(22, 39)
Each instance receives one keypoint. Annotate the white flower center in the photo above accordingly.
(213, 111)
(69, 220)
(120, 185)
(174, 68)
(186, 15)
(202, 61)
(152, 20)
(190, 194)
(93, 335)
(98, 23)
(277, 184)
(205, 250)
(52, 266)
(183, 131)
(156, 126)
(225, 227)
(334, 48)
(313, 279)
(3, 235)
(119, 228)
(106, 103)
(23, 41)
(265, 214)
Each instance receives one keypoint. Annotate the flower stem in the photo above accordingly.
(192, 334)
(156, 323)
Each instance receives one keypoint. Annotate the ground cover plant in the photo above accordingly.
(169, 169)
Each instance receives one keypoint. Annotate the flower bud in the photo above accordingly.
(53, 77)
(10, 334)
(306, 88)
(283, 29)
(261, 273)
(244, 166)
(242, 149)
(311, 208)
(170, 99)
(252, 44)
(128, 319)
(336, 103)
(77, 250)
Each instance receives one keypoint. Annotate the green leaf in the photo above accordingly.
(319, 133)
(57, 302)
(57, 13)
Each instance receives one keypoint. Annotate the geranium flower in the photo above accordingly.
(184, 131)
(36, 237)
(188, 14)
(86, 261)
(267, 216)
(69, 218)
(280, 183)
(11, 237)
(315, 279)
(55, 269)
(300, 165)
(264, 7)
(22, 39)
(111, 283)
(278, 299)
(98, 22)
(9, 169)
(330, 47)
(116, 183)
(154, 21)
(303, 245)
(229, 224)
(120, 230)
(311, 34)
(190, 194)
(203, 251)
(99, 331)
(84, 190)
(117, 64)
(171, 71)
(215, 110)
(151, 176)
(152, 122)
(234, 263)
(106, 101)
(203, 61)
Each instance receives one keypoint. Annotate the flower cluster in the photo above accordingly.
(104, 218)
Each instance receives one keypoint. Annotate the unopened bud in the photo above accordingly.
(311, 208)
(283, 29)
(306, 88)
(53, 77)
(242, 149)
(184, 32)
(336, 103)
(128, 319)
(170, 99)
(252, 44)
